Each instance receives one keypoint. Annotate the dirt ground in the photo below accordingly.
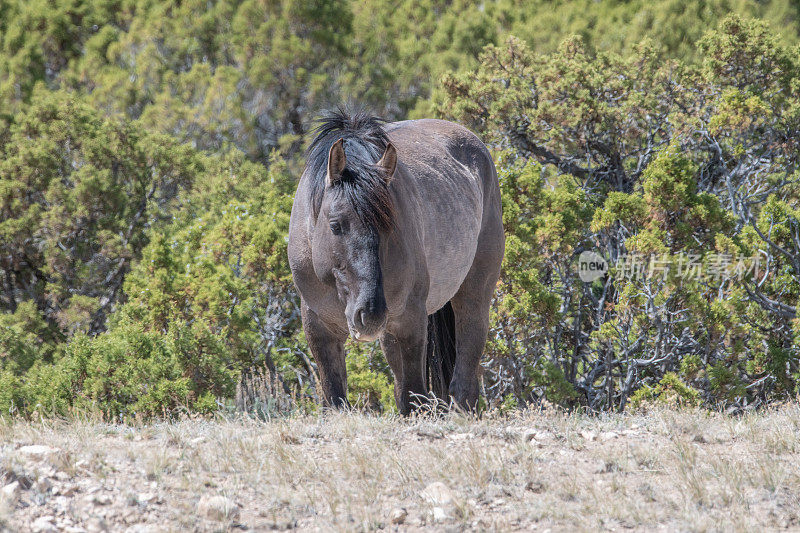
(536, 471)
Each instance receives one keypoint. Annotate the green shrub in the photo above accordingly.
(550, 379)
(148, 159)
(369, 381)
(10, 394)
(670, 391)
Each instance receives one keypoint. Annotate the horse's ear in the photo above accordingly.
(336, 163)
(389, 162)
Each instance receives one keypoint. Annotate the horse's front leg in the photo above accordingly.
(404, 346)
(327, 347)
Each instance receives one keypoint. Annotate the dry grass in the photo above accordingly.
(663, 470)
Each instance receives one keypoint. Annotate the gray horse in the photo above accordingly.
(396, 234)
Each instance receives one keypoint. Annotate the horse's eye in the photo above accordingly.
(336, 228)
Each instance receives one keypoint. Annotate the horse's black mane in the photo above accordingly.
(362, 182)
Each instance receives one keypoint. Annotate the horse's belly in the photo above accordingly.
(449, 262)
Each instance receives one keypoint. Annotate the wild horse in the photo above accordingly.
(396, 234)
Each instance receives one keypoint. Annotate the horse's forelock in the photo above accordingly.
(362, 183)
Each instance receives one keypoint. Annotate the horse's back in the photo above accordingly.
(451, 178)
(428, 139)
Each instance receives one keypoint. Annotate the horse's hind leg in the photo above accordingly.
(327, 347)
(471, 309)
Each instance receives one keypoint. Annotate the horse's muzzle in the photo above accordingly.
(369, 321)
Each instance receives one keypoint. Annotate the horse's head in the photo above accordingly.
(355, 210)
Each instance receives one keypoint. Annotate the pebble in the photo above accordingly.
(102, 499)
(442, 498)
(608, 435)
(37, 451)
(398, 516)
(145, 497)
(43, 524)
(437, 493)
(440, 514)
(10, 492)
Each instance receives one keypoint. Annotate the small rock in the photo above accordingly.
(146, 497)
(217, 508)
(44, 471)
(440, 514)
(62, 476)
(43, 524)
(437, 494)
(10, 492)
(398, 516)
(442, 498)
(102, 499)
(608, 435)
(37, 451)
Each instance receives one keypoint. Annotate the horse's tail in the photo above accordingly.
(441, 356)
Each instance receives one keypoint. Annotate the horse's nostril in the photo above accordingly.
(369, 316)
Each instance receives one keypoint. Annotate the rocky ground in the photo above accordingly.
(663, 470)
